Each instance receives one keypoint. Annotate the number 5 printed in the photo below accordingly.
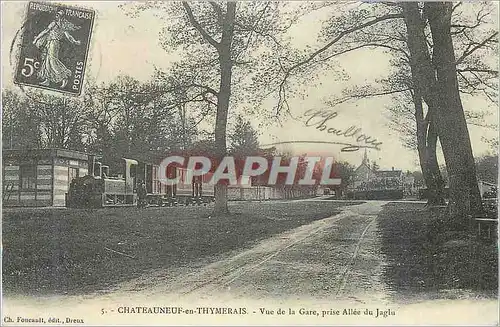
(29, 67)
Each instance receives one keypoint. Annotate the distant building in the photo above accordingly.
(371, 183)
(366, 178)
(40, 177)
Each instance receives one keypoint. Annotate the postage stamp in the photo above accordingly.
(54, 47)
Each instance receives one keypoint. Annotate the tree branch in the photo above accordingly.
(218, 11)
(470, 49)
(198, 27)
(366, 95)
(369, 45)
(207, 88)
(252, 30)
(478, 70)
(289, 71)
(341, 35)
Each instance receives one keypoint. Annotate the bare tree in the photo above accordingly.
(20, 122)
(438, 82)
(61, 120)
(225, 45)
(474, 44)
(100, 113)
(362, 28)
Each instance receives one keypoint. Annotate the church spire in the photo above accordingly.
(365, 159)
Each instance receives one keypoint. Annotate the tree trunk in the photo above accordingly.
(426, 146)
(433, 166)
(224, 96)
(422, 126)
(441, 94)
(450, 122)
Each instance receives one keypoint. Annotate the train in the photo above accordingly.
(99, 189)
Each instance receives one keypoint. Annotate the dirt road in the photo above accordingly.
(336, 257)
(330, 265)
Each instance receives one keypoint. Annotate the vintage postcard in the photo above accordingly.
(171, 163)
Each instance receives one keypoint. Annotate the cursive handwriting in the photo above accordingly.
(319, 119)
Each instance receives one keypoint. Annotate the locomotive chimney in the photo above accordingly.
(91, 164)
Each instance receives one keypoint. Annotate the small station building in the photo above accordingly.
(40, 177)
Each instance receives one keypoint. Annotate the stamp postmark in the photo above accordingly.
(54, 47)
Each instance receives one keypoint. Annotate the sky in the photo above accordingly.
(124, 45)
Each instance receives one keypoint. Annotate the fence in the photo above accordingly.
(266, 193)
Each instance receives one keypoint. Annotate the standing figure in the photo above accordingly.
(49, 41)
(141, 194)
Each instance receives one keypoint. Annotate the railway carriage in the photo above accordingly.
(199, 191)
(98, 189)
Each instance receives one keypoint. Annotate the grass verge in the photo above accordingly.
(74, 251)
(426, 256)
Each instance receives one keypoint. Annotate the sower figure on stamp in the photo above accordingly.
(141, 194)
(49, 42)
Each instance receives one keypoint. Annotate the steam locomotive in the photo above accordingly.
(98, 189)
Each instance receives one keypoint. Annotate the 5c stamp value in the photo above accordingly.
(54, 47)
